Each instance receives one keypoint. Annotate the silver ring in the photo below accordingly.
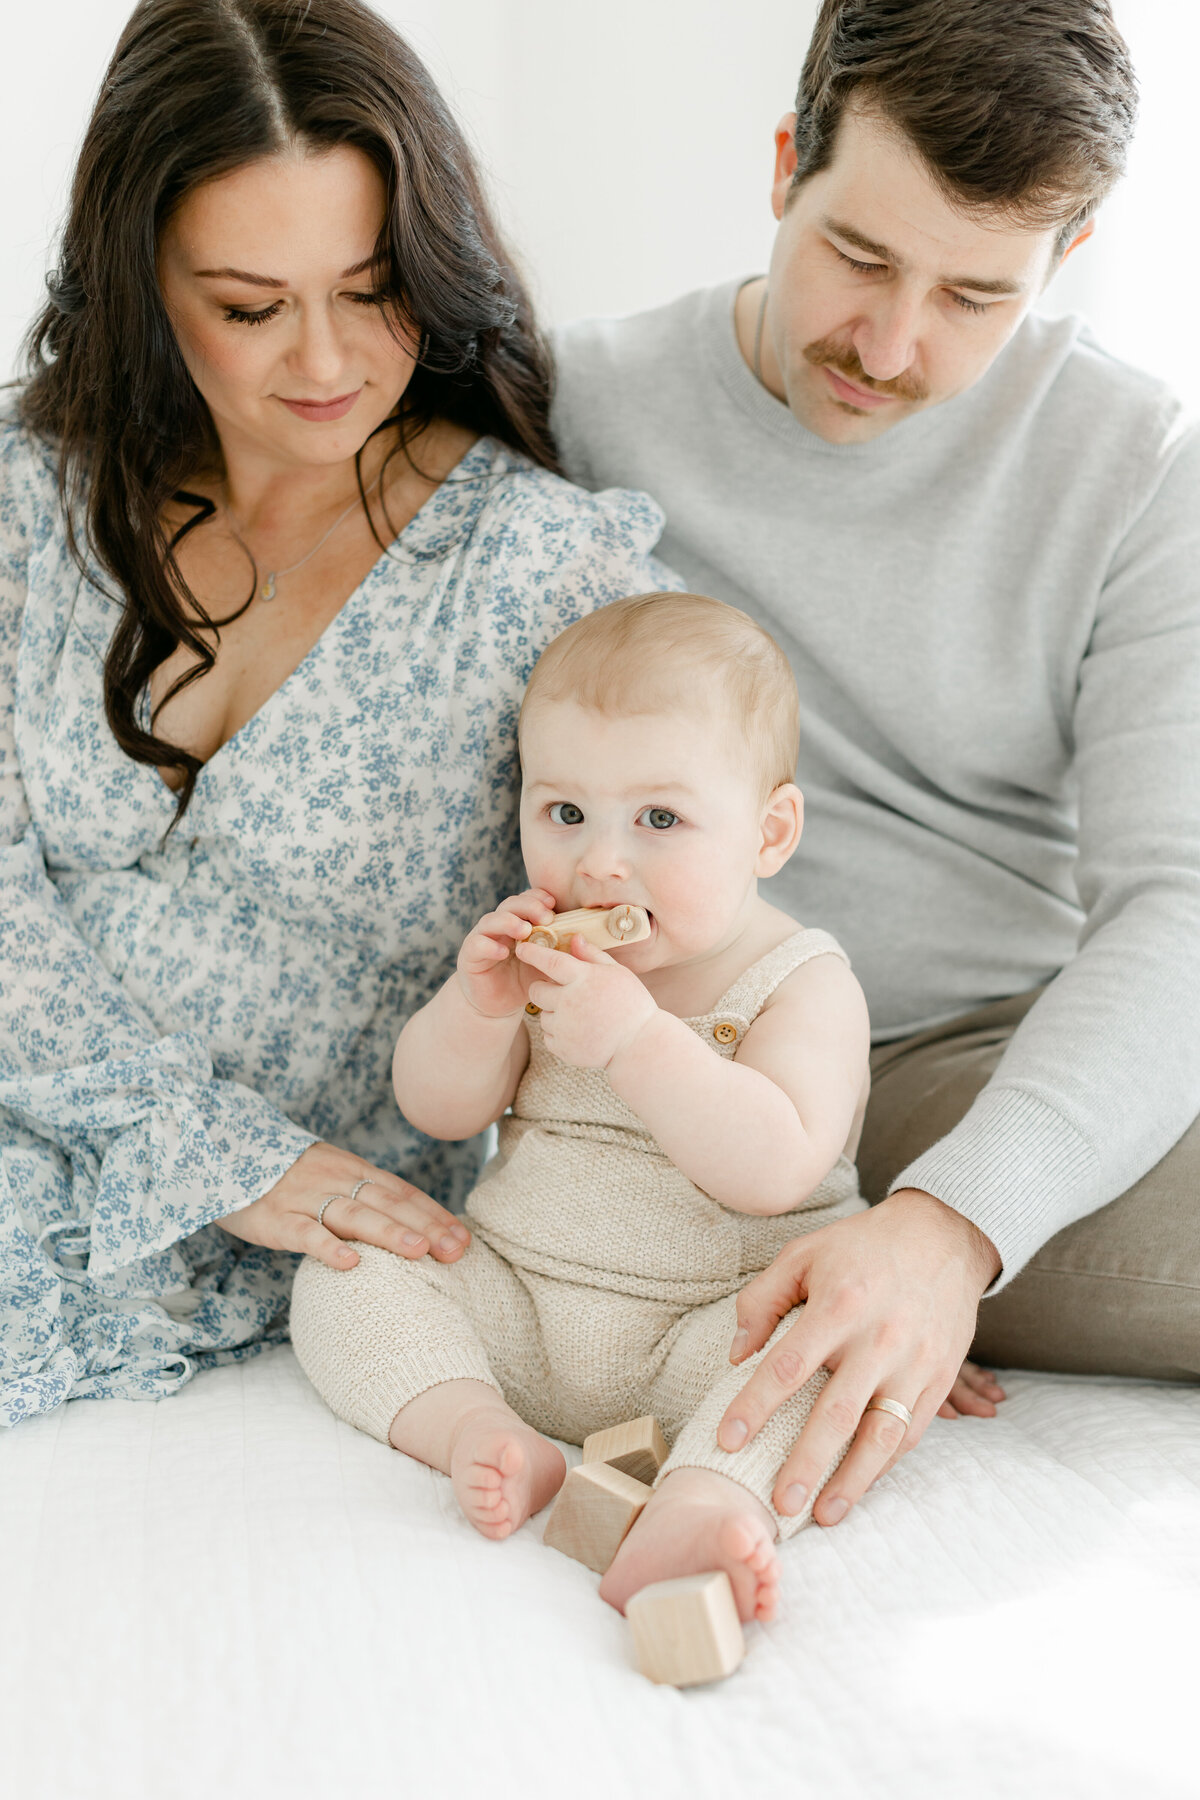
(325, 1202)
(358, 1186)
(897, 1409)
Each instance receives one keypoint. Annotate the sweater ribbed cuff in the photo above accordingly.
(1014, 1167)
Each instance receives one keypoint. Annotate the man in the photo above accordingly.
(978, 539)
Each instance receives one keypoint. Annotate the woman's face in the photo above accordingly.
(268, 280)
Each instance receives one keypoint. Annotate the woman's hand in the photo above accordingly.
(493, 982)
(387, 1211)
(890, 1298)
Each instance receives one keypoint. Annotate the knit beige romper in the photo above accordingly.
(600, 1283)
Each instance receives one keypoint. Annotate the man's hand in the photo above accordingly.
(591, 1006)
(891, 1297)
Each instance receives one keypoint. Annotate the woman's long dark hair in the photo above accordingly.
(196, 89)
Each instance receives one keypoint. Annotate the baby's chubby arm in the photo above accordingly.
(758, 1132)
(458, 1061)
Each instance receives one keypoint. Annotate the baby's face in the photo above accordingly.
(658, 810)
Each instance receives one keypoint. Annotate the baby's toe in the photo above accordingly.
(762, 1559)
(511, 1461)
(738, 1540)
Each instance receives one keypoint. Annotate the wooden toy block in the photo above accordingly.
(596, 1506)
(607, 927)
(637, 1448)
(686, 1631)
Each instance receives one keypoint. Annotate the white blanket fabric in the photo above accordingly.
(230, 1594)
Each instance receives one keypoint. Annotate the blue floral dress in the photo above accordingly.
(182, 1016)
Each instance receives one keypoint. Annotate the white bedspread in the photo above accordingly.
(228, 1595)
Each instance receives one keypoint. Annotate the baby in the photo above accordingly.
(682, 1107)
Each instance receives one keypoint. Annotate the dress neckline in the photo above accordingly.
(438, 524)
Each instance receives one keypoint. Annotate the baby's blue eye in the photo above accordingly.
(658, 818)
(565, 812)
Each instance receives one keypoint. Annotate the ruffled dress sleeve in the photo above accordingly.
(116, 1143)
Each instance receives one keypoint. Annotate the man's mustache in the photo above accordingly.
(827, 353)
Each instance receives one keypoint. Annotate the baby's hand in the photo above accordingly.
(493, 983)
(591, 1006)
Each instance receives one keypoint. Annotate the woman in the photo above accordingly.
(280, 538)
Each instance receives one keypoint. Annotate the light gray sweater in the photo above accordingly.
(993, 615)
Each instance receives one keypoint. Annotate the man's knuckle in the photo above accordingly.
(886, 1431)
(887, 1337)
(846, 1300)
(842, 1415)
(786, 1368)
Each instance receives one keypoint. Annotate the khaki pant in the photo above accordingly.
(1117, 1293)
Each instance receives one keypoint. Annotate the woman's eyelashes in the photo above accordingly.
(239, 315)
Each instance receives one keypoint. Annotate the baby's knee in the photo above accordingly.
(327, 1304)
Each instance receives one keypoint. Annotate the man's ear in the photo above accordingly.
(782, 823)
(785, 162)
(1081, 237)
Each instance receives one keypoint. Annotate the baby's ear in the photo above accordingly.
(782, 823)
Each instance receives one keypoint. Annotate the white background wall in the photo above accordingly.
(628, 144)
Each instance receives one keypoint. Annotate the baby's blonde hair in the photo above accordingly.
(644, 654)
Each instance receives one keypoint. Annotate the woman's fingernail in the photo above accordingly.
(450, 1242)
(835, 1512)
(794, 1498)
(737, 1349)
(411, 1239)
(460, 1232)
(733, 1434)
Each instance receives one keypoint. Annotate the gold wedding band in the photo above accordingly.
(897, 1409)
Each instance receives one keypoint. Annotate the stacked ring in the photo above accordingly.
(352, 1195)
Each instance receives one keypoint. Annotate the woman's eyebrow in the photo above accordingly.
(272, 281)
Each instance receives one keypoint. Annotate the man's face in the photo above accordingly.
(885, 299)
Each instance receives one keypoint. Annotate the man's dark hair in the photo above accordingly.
(1024, 107)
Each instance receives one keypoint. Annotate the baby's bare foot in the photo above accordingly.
(696, 1521)
(502, 1472)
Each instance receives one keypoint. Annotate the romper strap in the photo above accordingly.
(754, 987)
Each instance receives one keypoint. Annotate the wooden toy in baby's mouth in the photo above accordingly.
(608, 927)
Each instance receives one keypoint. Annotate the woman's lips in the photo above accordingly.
(317, 410)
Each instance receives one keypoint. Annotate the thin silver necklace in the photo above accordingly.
(762, 313)
(274, 575)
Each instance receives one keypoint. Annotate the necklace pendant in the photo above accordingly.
(268, 592)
